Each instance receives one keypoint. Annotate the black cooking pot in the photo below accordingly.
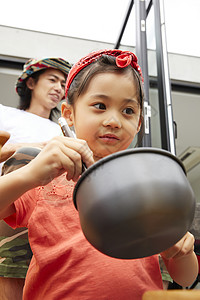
(135, 203)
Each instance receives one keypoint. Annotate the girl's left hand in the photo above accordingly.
(182, 248)
(181, 261)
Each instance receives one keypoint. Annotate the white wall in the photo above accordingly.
(25, 44)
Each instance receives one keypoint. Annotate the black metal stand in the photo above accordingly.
(164, 88)
(124, 25)
(144, 138)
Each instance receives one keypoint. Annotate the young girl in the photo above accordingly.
(104, 104)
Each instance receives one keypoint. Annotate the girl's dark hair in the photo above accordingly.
(25, 95)
(103, 65)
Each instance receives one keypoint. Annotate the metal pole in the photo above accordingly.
(141, 52)
(148, 6)
(124, 25)
(164, 86)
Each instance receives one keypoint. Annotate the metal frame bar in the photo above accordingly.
(141, 52)
(124, 25)
(164, 87)
(144, 136)
(148, 6)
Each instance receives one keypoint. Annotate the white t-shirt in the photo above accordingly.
(25, 127)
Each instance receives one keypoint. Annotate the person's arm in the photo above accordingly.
(4, 136)
(58, 156)
(9, 149)
(181, 261)
(13, 185)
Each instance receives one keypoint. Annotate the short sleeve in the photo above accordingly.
(24, 206)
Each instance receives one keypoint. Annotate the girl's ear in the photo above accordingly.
(67, 113)
(139, 125)
(30, 82)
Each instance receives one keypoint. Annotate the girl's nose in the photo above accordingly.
(112, 121)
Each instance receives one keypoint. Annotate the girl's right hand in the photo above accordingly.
(61, 154)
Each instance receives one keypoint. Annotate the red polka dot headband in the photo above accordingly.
(123, 59)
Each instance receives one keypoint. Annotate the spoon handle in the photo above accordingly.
(68, 133)
(65, 128)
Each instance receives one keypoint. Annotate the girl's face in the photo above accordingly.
(48, 91)
(106, 114)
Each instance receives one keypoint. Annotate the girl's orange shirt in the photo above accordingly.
(64, 264)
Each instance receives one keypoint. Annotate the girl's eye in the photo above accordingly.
(100, 106)
(128, 111)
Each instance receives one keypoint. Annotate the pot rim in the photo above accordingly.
(119, 154)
